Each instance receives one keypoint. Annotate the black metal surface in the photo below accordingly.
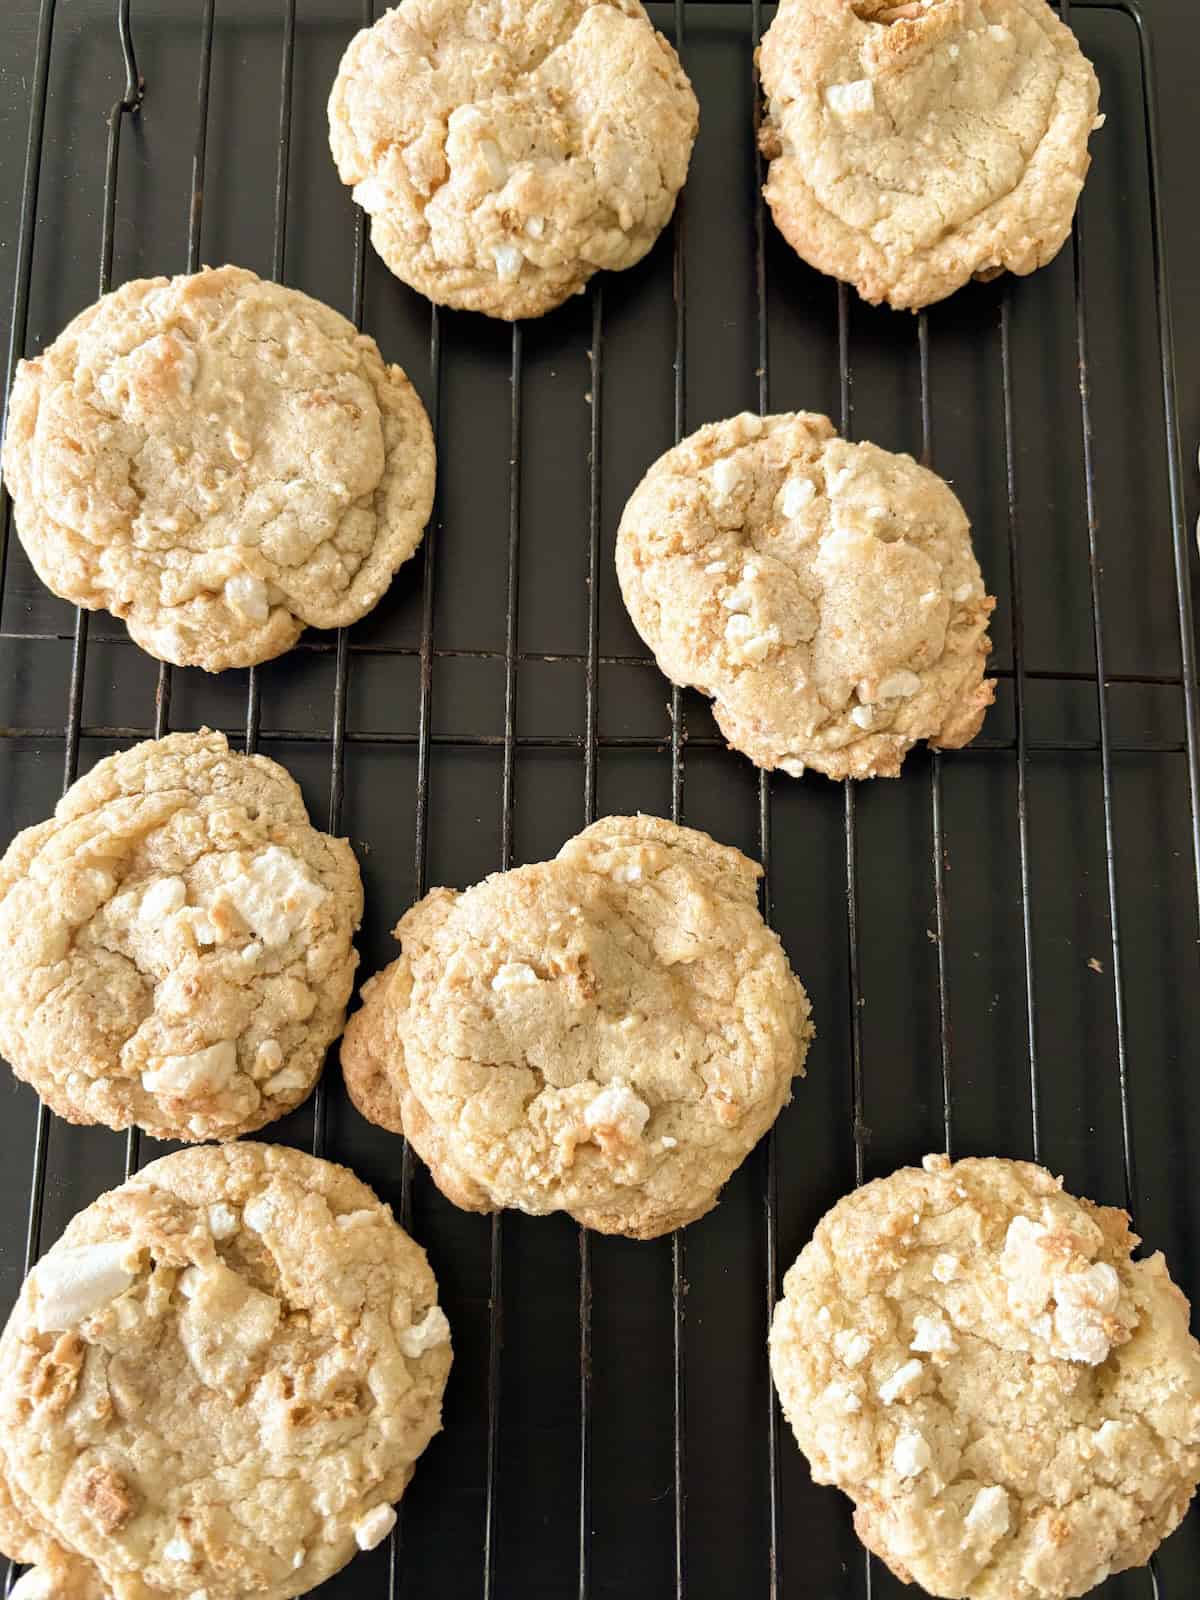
(1000, 948)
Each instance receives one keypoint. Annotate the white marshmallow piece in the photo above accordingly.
(74, 1282)
(36, 1584)
(203, 1073)
(509, 262)
(901, 1383)
(617, 1109)
(514, 975)
(851, 99)
(911, 1454)
(285, 1082)
(1084, 1302)
(222, 1220)
(373, 1529)
(259, 1213)
(852, 1347)
(268, 1058)
(744, 641)
(794, 496)
(432, 1330)
(724, 475)
(275, 894)
(933, 1336)
(989, 1515)
(162, 899)
(248, 595)
(945, 1267)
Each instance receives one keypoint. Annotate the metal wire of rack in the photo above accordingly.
(341, 737)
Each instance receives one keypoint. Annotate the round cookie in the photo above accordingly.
(177, 943)
(219, 461)
(505, 153)
(824, 593)
(914, 146)
(1012, 1403)
(216, 1382)
(608, 1033)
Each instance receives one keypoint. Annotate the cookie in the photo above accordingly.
(220, 462)
(217, 1382)
(825, 594)
(1011, 1402)
(505, 153)
(607, 1034)
(914, 146)
(177, 943)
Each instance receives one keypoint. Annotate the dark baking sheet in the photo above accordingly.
(609, 1427)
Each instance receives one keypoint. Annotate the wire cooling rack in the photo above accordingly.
(1000, 948)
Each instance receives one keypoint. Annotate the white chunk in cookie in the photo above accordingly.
(224, 1325)
(275, 895)
(39, 1583)
(1068, 1303)
(617, 1113)
(989, 1517)
(794, 496)
(933, 1335)
(201, 1075)
(373, 1528)
(222, 1220)
(911, 1454)
(851, 99)
(247, 594)
(74, 1283)
(902, 1384)
(432, 1330)
(514, 975)
(162, 899)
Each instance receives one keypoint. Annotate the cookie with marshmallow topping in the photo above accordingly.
(217, 1382)
(1011, 1401)
(220, 462)
(824, 593)
(506, 153)
(608, 1033)
(178, 943)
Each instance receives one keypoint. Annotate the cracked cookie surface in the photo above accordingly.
(608, 1033)
(220, 462)
(217, 1382)
(915, 146)
(178, 943)
(505, 153)
(824, 593)
(1012, 1403)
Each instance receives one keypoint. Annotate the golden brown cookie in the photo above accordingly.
(915, 145)
(177, 943)
(219, 461)
(824, 593)
(506, 152)
(608, 1033)
(217, 1382)
(1011, 1402)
